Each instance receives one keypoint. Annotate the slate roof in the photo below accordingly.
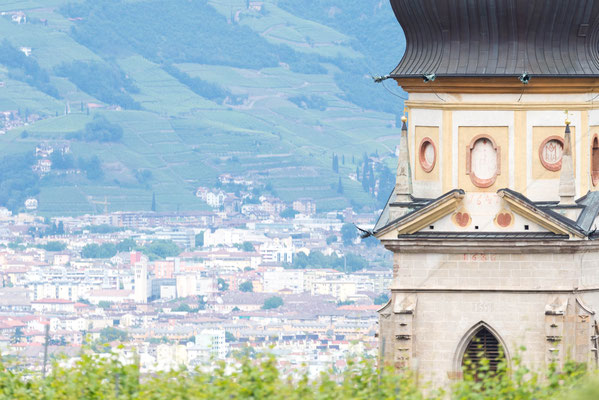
(545, 209)
(499, 37)
(415, 206)
(589, 205)
(486, 235)
(590, 211)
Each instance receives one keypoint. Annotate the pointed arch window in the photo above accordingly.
(483, 345)
(595, 161)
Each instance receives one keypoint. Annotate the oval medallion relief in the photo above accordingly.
(550, 153)
(483, 163)
(427, 154)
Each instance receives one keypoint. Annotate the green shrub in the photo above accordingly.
(95, 376)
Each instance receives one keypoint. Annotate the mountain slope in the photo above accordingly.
(199, 89)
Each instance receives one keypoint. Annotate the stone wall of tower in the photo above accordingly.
(542, 301)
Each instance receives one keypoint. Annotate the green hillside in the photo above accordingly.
(195, 90)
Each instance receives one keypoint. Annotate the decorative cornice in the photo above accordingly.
(469, 245)
(505, 84)
(488, 290)
(510, 106)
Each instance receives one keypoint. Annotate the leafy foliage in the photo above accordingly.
(348, 233)
(381, 299)
(17, 180)
(313, 102)
(92, 167)
(54, 246)
(105, 377)
(289, 213)
(105, 304)
(102, 81)
(183, 307)
(199, 239)
(62, 161)
(246, 286)
(126, 245)
(199, 86)
(104, 228)
(248, 246)
(26, 69)
(272, 302)
(223, 286)
(378, 37)
(99, 130)
(349, 263)
(160, 31)
(93, 250)
(110, 334)
(143, 176)
(161, 249)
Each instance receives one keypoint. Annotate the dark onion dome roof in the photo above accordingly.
(553, 38)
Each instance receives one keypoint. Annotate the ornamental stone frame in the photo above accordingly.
(463, 344)
(478, 181)
(557, 165)
(427, 166)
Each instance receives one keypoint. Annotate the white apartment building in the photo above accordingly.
(339, 289)
(230, 237)
(209, 343)
(142, 283)
(191, 284)
(277, 279)
(170, 356)
(215, 199)
(277, 251)
(53, 305)
(59, 290)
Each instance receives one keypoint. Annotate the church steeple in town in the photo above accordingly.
(492, 214)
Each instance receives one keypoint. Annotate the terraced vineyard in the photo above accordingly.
(280, 122)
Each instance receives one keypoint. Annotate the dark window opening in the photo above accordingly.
(525, 227)
(483, 346)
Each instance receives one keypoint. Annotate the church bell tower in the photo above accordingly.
(493, 219)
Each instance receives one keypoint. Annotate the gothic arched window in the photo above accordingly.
(595, 161)
(482, 345)
(483, 161)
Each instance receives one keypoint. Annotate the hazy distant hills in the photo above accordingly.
(164, 96)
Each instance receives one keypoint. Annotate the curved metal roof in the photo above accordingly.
(499, 37)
